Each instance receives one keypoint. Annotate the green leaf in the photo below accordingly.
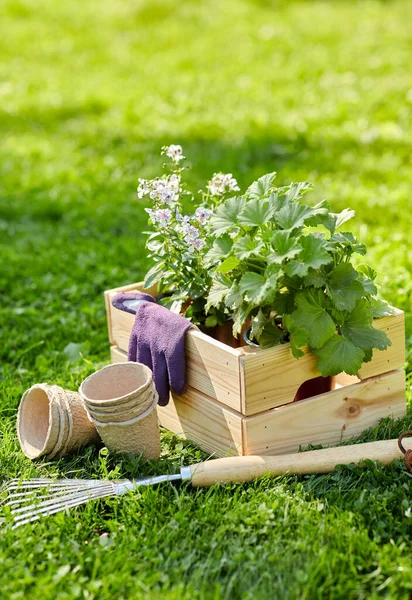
(380, 308)
(368, 271)
(257, 289)
(358, 329)
(313, 318)
(240, 317)
(348, 241)
(312, 256)
(247, 246)
(228, 265)
(284, 303)
(315, 279)
(284, 246)
(154, 275)
(334, 220)
(221, 247)
(234, 297)
(297, 190)
(256, 212)
(226, 215)
(211, 321)
(298, 338)
(337, 355)
(271, 336)
(262, 187)
(258, 324)
(219, 290)
(343, 287)
(293, 216)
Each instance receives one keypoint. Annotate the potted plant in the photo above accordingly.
(289, 273)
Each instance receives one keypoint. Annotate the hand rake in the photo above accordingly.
(30, 500)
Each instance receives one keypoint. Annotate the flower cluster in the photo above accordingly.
(174, 151)
(165, 190)
(179, 242)
(220, 184)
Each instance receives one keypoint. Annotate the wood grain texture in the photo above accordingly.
(246, 468)
(393, 357)
(212, 368)
(196, 417)
(271, 378)
(326, 419)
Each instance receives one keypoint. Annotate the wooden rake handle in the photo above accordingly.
(246, 468)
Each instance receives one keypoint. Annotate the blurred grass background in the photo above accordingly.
(89, 92)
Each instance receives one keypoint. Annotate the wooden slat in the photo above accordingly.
(327, 419)
(196, 417)
(212, 368)
(271, 378)
(393, 357)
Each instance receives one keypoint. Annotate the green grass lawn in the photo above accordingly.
(89, 92)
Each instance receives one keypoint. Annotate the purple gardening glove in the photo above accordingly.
(157, 340)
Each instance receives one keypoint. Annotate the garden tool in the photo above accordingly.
(121, 401)
(52, 422)
(157, 340)
(30, 500)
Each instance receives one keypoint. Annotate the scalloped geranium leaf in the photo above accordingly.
(337, 355)
(240, 317)
(344, 287)
(312, 256)
(358, 329)
(380, 308)
(228, 265)
(258, 289)
(246, 246)
(271, 336)
(312, 316)
(221, 248)
(256, 212)
(335, 220)
(219, 290)
(262, 187)
(226, 215)
(284, 247)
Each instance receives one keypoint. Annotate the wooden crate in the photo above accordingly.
(240, 400)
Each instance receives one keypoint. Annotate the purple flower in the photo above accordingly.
(202, 214)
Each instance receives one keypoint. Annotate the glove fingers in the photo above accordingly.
(176, 368)
(132, 350)
(161, 378)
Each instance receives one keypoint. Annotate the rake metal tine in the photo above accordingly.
(24, 497)
(44, 483)
(68, 498)
(50, 510)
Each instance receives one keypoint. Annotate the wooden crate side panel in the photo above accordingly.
(393, 357)
(327, 419)
(211, 367)
(196, 417)
(271, 378)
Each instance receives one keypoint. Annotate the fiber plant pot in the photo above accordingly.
(121, 401)
(52, 422)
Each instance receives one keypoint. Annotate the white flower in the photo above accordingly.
(165, 190)
(190, 231)
(162, 216)
(174, 151)
(143, 188)
(202, 214)
(221, 183)
(408, 513)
